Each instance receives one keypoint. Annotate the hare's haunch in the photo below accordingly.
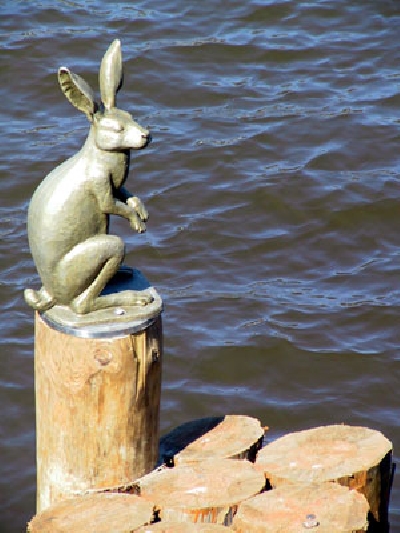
(69, 212)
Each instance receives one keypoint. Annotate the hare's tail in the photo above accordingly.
(40, 300)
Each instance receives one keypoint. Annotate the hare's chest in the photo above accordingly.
(120, 170)
(115, 166)
(117, 179)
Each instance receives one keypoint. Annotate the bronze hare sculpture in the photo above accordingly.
(69, 212)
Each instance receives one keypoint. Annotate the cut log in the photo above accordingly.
(233, 436)
(202, 492)
(356, 457)
(97, 409)
(327, 507)
(176, 440)
(103, 513)
(183, 527)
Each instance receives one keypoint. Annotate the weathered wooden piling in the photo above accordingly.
(322, 507)
(356, 457)
(209, 491)
(102, 513)
(97, 403)
(229, 436)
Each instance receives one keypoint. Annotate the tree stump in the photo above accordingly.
(356, 457)
(231, 436)
(102, 513)
(327, 507)
(202, 492)
(183, 527)
(97, 409)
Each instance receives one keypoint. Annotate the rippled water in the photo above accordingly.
(273, 190)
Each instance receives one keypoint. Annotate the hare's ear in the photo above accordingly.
(77, 92)
(111, 74)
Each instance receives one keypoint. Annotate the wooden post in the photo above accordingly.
(103, 513)
(231, 436)
(97, 407)
(323, 507)
(202, 492)
(356, 457)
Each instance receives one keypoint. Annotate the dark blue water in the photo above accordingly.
(273, 190)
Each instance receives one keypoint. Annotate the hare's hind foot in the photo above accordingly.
(40, 300)
(81, 305)
(132, 298)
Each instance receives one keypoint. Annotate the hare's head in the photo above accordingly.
(114, 129)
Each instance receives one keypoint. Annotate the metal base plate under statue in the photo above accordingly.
(98, 385)
(112, 321)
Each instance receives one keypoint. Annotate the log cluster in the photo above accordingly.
(330, 479)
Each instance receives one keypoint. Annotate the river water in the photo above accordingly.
(272, 184)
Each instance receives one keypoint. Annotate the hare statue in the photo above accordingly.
(68, 215)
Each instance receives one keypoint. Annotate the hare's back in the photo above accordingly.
(63, 213)
(65, 194)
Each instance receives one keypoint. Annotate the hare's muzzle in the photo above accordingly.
(146, 139)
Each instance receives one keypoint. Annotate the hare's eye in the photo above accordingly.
(112, 125)
(117, 128)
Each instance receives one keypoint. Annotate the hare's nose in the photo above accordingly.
(147, 137)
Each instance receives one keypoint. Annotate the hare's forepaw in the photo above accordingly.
(137, 224)
(146, 299)
(138, 207)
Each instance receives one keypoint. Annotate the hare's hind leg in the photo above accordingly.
(40, 300)
(88, 267)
